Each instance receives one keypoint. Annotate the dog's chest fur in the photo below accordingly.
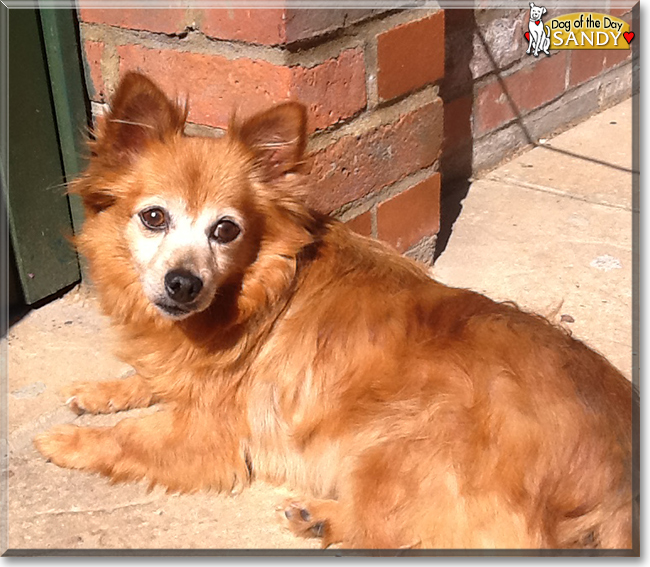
(277, 449)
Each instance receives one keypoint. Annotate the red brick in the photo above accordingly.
(492, 108)
(357, 165)
(216, 86)
(618, 12)
(615, 56)
(525, 90)
(585, 64)
(94, 50)
(155, 20)
(458, 122)
(333, 90)
(535, 85)
(361, 225)
(264, 26)
(410, 56)
(589, 63)
(410, 216)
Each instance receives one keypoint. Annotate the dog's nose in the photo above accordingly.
(182, 285)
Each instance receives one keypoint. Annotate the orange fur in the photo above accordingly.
(408, 413)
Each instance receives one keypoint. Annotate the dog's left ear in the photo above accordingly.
(277, 138)
(543, 11)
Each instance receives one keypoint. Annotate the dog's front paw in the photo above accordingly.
(88, 397)
(74, 447)
(61, 445)
(110, 396)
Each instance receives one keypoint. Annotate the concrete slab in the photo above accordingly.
(54, 508)
(592, 161)
(552, 242)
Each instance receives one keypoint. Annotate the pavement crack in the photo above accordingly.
(513, 182)
(75, 510)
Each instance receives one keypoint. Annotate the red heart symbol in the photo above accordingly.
(537, 22)
(527, 34)
(629, 36)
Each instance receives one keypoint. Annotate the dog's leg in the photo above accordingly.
(183, 454)
(315, 518)
(111, 396)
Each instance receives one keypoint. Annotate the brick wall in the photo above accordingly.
(499, 99)
(369, 77)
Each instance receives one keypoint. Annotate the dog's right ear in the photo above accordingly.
(139, 113)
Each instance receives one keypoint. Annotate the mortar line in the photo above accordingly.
(369, 119)
(191, 41)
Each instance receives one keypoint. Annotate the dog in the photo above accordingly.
(284, 347)
(539, 40)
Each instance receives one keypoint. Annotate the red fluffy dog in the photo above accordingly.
(286, 348)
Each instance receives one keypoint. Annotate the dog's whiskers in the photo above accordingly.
(132, 123)
(271, 145)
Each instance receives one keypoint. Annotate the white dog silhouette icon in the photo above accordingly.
(538, 38)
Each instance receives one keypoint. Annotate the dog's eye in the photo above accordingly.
(154, 218)
(226, 231)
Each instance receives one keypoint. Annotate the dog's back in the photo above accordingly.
(438, 417)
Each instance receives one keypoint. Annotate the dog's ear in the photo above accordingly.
(532, 4)
(139, 113)
(543, 11)
(277, 138)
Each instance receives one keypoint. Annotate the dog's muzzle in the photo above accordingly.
(182, 286)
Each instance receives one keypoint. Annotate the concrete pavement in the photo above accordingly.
(551, 230)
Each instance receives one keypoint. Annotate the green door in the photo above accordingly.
(47, 117)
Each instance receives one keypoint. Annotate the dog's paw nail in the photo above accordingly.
(305, 515)
(73, 404)
(318, 529)
(288, 513)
